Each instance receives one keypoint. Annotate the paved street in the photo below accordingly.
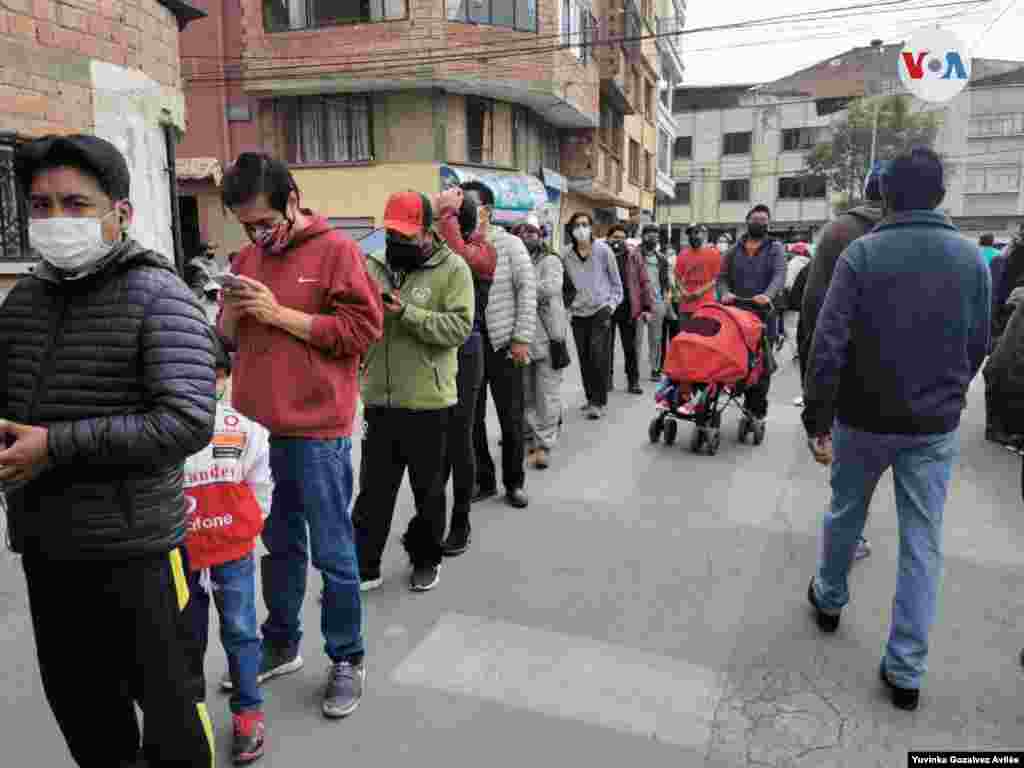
(647, 609)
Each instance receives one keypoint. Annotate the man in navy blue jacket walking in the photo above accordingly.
(904, 330)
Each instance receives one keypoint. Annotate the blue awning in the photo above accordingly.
(515, 194)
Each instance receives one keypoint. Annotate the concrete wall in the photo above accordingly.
(361, 192)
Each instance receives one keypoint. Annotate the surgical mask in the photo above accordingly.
(757, 230)
(582, 234)
(69, 244)
(404, 257)
(723, 247)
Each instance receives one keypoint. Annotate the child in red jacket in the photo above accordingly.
(228, 486)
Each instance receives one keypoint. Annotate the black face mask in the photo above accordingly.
(618, 246)
(468, 217)
(403, 257)
(696, 242)
(650, 243)
(757, 231)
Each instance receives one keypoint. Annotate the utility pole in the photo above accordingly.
(879, 49)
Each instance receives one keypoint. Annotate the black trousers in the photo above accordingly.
(627, 333)
(396, 439)
(669, 330)
(591, 335)
(506, 384)
(110, 634)
(461, 453)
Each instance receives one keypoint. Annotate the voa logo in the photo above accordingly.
(934, 65)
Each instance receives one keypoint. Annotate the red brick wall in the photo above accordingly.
(46, 46)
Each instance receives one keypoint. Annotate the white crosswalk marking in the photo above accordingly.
(565, 676)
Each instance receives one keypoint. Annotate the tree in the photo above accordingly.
(843, 159)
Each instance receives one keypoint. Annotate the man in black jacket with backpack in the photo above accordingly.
(108, 386)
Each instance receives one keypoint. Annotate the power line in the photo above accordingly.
(750, 23)
(994, 21)
(216, 79)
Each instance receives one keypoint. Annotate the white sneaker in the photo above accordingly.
(798, 402)
(369, 584)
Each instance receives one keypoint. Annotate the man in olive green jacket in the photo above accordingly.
(408, 385)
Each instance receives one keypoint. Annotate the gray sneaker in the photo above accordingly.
(276, 662)
(344, 689)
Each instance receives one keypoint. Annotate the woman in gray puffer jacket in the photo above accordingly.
(543, 384)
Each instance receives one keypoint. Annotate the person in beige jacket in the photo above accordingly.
(543, 382)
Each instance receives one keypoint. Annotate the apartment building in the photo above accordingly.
(671, 21)
(552, 102)
(97, 66)
(744, 144)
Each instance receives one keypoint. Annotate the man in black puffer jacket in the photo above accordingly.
(108, 386)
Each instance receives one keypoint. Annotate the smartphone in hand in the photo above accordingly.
(227, 280)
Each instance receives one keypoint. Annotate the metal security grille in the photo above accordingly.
(13, 218)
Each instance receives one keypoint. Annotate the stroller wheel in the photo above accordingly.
(713, 442)
(697, 440)
(759, 434)
(671, 430)
(654, 430)
(743, 430)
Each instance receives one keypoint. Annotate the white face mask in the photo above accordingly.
(69, 244)
(582, 234)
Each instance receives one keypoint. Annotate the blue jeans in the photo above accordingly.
(310, 514)
(234, 593)
(922, 466)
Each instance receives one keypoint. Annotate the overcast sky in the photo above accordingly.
(767, 53)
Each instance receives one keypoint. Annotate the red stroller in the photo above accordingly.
(720, 352)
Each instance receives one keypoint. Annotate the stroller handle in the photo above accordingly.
(762, 310)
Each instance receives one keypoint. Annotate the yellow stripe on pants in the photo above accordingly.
(204, 716)
(178, 574)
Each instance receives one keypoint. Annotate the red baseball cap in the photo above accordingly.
(404, 213)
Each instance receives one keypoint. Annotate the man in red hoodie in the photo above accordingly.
(302, 314)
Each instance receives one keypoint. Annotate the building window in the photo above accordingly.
(552, 147)
(514, 14)
(328, 129)
(286, 15)
(634, 163)
(611, 132)
(996, 125)
(649, 100)
(736, 191)
(520, 136)
(578, 27)
(13, 213)
(797, 139)
(479, 129)
(683, 193)
(801, 187)
(648, 170)
(736, 143)
(664, 164)
(683, 148)
(994, 180)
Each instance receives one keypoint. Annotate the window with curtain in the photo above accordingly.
(634, 162)
(578, 28)
(515, 14)
(479, 129)
(328, 129)
(663, 144)
(13, 213)
(286, 15)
